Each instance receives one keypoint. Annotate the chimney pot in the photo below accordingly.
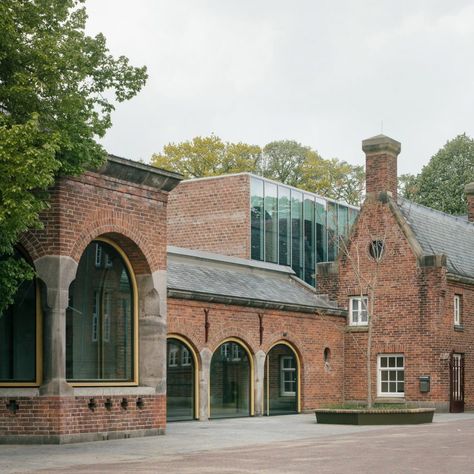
(381, 154)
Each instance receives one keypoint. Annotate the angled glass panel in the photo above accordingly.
(309, 250)
(271, 222)
(297, 232)
(332, 231)
(343, 224)
(321, 232)
(256, 218)
(284, 225)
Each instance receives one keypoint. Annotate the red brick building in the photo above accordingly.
(120, 331)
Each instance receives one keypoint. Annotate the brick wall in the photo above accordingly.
(412, 312)
(54, 419)
(211, 214)
(309, 334)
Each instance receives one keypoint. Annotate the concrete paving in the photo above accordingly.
(284, 444)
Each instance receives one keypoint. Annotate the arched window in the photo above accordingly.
(100, 323)
(18, 337)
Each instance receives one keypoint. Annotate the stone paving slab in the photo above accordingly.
(278, 444)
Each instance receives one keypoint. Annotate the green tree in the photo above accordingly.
(333, 179)
(54, 87)
(440, 184)
(283, 160)
(207, 156)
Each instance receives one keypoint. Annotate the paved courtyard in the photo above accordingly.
(284, 444)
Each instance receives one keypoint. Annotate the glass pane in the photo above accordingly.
(179, 382)
(384, 387)
(401, 375)
(321, 231)
(256, 217)
(309, 253)
(391, 361)
(230, 382)
(99, 319)
(393, 376)
(271, 222)
(383, 362)
(18, 336)
(399, 361)
(401, 387)
(284, 225)
(342, 221)
(280, 381)
(332, 231)
(385, 376)
(296, 232)
(352, 217)
(393, 387)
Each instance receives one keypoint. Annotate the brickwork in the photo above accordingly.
(308, 334)
(211, 214)
(52, 418)
(381, 172)
(92, 205)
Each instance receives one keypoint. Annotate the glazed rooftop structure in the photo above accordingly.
(294, 227)
(247, 216)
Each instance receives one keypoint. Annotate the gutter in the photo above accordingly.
(251, 302)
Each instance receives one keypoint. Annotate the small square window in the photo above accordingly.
(358, 315)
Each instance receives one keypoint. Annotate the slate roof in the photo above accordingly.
(439, 233)
(239, 278)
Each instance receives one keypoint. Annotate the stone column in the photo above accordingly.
(260, 358)
(57, 273)
(204, 388)
(152, 330)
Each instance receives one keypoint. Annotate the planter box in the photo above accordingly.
(404, 416)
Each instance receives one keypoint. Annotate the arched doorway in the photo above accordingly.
(282, 380)
(181, 381)
(231, 384)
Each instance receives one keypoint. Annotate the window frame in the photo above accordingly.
(133, 382)
(389, 369)
(360, 300)
(38, 336)
(284, 370)
(457, 308)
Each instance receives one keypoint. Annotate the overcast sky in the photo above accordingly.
(324, 73)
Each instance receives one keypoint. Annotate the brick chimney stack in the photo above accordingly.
(469, 190)
(381, 154)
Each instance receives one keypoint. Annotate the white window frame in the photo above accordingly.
(185, 357)
(389, 369)
(457, 310)
(287, 370)
(361, 302)
(95, 317)
(173, 357)
(107, 316)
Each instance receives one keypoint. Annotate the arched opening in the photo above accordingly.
(20, 337)
(181, 380)
(231, 384)
(101, 319)
(282, 380)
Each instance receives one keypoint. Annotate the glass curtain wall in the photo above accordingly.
(293, 228)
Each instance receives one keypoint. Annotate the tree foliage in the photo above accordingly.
(285, 161)
(207, 156)
(54, 84)
(440, 184)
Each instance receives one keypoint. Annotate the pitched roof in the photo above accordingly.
(440, 233)
(208, 276)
